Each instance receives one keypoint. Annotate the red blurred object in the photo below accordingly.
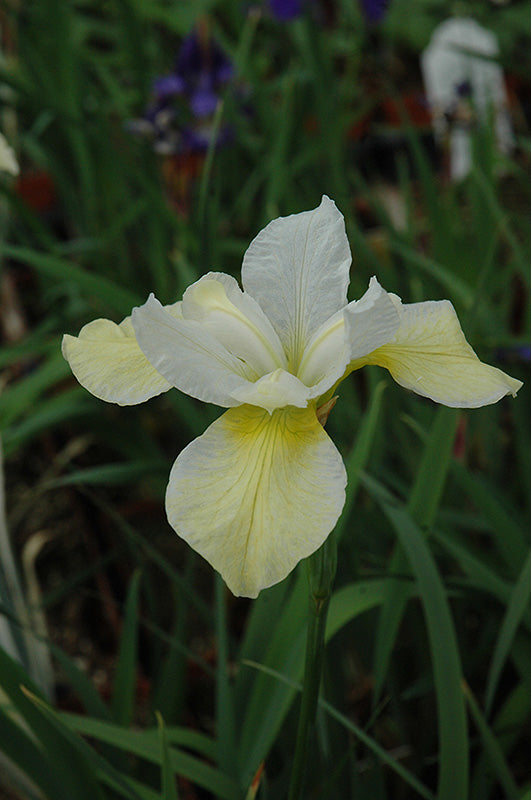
(179, 171)
(393, 112)
(37, 191)
(460, 441)
(413, 105)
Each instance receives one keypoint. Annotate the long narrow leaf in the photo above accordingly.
(145, 744)
(169, 787)
(117, 298)
(518, 605)
(453, 738)
(126, 669)
(367, 740)
(423, 502)
(497, 759)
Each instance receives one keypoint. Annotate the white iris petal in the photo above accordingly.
(278, 389)
(371, 321)
(297, 269)
(188, 355)
(235, 320)
(326, 355)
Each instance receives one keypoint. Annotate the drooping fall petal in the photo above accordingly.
(431, 356)
(256, 493)
(106, 360)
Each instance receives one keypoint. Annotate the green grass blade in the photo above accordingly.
(267, 606)
(106, 291)
(226, 734)
(497, 760)
(517, 606)
(510, 539)
(23, 751)
(82, 685)
(455, 286)
(353, 599)
(480, 575)
(453, 738)
(146, 744)
(23, 395)
(68, 759)
(169, 787)
(423, 503)
(123, 698)
(357, 459)
(285, 651)
(345, 605)
(360, 734)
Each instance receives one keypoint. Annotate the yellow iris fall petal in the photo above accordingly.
(106, 360)
(431, 356)
(277, 491)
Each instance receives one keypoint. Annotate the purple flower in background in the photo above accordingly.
(374, 10)
(286, 10)
(518, 352)
(204, 69)
(180, 118)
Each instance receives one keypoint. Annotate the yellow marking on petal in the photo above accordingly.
(256, 493)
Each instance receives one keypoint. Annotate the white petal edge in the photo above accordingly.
(358, 329)
(188, 355)
(371, 321)
(235, 320)
(430, 356)
(107, 361)
(257, 493)
(297, 268)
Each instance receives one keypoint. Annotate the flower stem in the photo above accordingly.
(321, 571)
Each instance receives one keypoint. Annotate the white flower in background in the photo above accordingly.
(264, 485)
(462, 79)
(8, 162)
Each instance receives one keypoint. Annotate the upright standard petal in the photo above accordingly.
(188, 355)
(297, 269)
(107, 361)
(235, 320)
(430, 355)
(256, 493)
(356, 330)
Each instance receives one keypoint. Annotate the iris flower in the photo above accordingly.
(264, 485)
(180, 118)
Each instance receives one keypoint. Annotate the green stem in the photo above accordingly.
(321, 570)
